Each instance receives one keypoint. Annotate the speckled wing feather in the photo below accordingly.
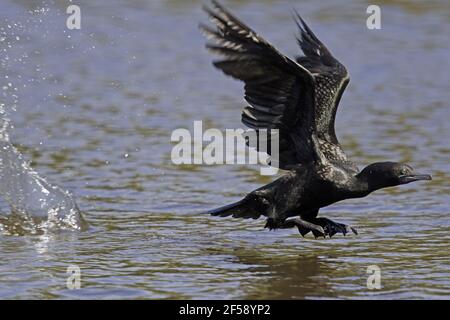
(331, 79)
(280, 92)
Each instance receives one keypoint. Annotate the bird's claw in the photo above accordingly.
(331, 228)
(320, 227)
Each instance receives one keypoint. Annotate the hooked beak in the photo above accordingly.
(414, 177)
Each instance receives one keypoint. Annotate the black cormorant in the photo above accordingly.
(300, 99)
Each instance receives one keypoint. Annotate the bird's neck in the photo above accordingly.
(360, 187)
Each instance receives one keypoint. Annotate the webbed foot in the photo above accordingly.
(303, 226)
(331, 228)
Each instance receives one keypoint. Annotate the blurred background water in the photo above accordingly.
(93, 111)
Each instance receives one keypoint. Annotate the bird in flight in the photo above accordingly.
(299, 98)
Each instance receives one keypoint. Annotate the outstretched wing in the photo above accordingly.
(280, 92)
(331, 79)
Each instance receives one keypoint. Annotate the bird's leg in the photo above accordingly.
(303, 226)
(331, 228)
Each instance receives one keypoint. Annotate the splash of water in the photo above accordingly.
(31, 198)
(36, 205)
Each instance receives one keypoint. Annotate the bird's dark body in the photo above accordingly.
(300, 99)
(303, 191)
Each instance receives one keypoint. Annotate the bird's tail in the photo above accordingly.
(241, 209)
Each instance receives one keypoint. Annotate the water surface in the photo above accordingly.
(95, 109)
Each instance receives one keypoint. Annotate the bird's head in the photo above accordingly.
(389, 174)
